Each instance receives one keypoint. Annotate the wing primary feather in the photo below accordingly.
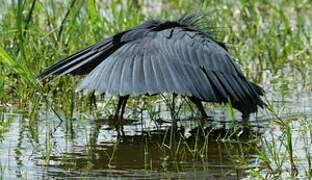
(246, 89)
(102, 71)
(114, 77)
(71, 67)
(125, 81)
(223, 96)
(158, 74)
(238, 90)
(59, 68)
(208, 89)
(138, 75)
(230, 91)
(172, 78)
(191, 82)
(149, 76)
(74, 59)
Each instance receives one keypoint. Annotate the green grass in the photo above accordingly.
(271, 40)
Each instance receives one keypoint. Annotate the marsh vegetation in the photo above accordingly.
(49, 130)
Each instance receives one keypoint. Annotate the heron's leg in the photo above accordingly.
(199, 105)
(120, 101)
(92, 100)
(118, 117)
(123, 106)
(245, 118)
(124, 100)
(172, 108)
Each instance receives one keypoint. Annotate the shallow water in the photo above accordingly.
(42, 147)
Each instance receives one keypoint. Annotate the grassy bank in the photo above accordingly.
(271, 40)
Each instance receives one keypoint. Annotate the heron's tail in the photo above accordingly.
(259, 90)
(81, 62)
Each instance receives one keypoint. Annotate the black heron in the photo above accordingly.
(162, 57)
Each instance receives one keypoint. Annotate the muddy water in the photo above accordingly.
(42, 147)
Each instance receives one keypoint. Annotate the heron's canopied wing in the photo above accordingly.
(172, 60)
(83, 61)
(80, 62)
